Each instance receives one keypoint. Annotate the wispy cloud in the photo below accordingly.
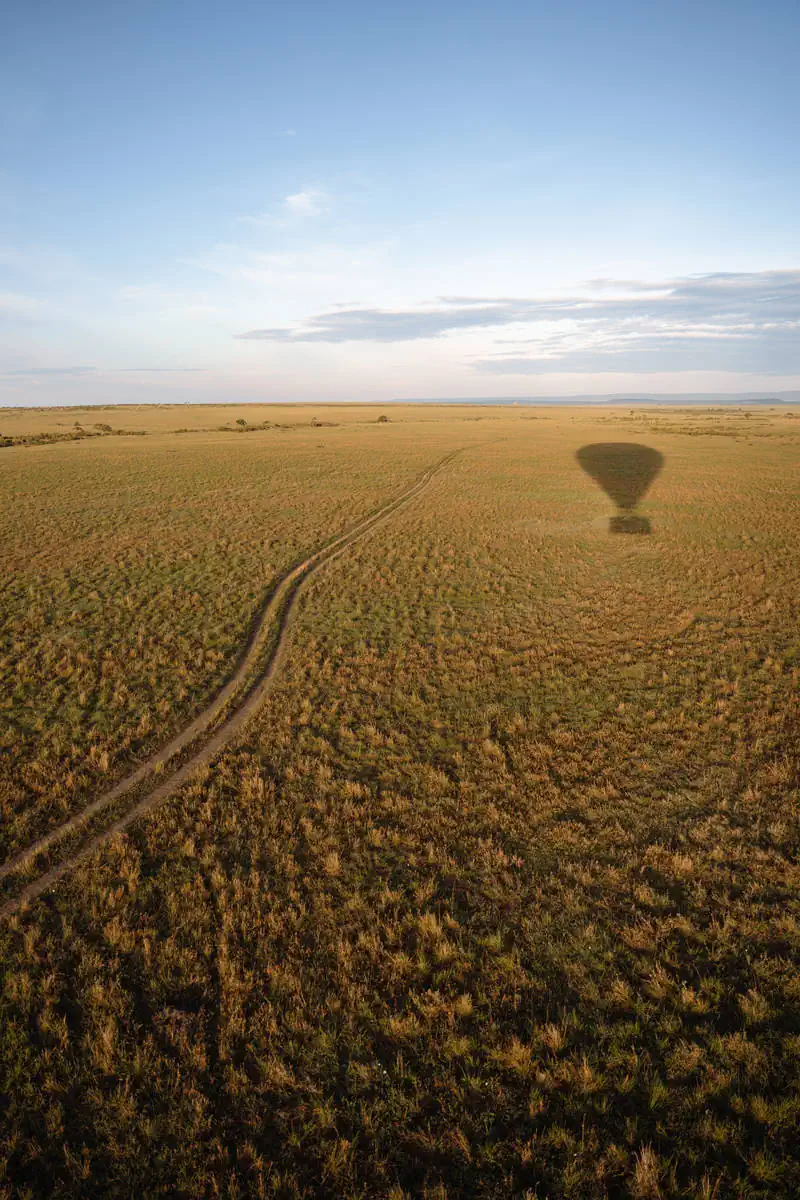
(153, 297)
(82, 372)
(16, 304)
(308, 203)
(35, 371)
(39, 264)
(378, 325)
(297, 207)
(314, 267)
(737, 320)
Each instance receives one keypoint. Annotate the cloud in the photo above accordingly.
(34, 371)
(39, 265)
(314, 266)
(377, 325)
(296, 207)
(152, 297)
(474, 300)
(309, 203)
(16, 304)
(737, 321)
(82, 372)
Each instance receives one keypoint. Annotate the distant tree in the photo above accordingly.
(383, 420)
(240, 421)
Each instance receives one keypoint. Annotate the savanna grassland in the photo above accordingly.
(132, 571)
(497, 893)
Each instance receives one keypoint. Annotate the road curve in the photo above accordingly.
(275, 618)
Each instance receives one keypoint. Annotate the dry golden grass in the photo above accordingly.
(131, 573)
(497, 895)
(145, 419)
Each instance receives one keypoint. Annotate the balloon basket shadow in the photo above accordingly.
(629, 523)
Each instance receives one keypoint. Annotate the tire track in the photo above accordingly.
(275, 619)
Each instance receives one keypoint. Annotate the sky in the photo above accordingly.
(360, 201)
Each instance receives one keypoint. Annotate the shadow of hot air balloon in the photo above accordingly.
(625, 471)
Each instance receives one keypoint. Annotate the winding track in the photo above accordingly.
(275, 618)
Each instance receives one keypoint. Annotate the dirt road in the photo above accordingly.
(239, 699)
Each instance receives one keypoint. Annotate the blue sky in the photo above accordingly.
(333, 201)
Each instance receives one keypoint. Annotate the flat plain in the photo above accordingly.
(495, 894)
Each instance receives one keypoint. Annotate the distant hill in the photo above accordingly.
(668, 398)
